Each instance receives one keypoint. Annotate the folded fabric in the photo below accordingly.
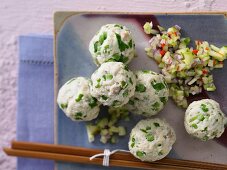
(35, 96)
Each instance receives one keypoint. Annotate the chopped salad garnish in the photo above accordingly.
(108, 127)
(187, 70)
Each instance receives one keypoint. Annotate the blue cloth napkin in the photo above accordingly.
(35, 96)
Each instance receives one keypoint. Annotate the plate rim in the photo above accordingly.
(59, 18)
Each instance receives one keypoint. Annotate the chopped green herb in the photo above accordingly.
(115, 103)
(126, 68)
(146, 71)
(78, 116)
(102, 38)
(140, 153)
(205, 129)
(106, 47)
(160, 153)
(122, 46)
(104, 97)
(64, 106)
(158, 86)
(205, 138)
(92, 102)
(204, 108)
(132, 145)
(108, 77)
(194, 126)
(201, 117)
(125, 59)
(143, 130)
(98, 84)
(156, 124)
(96, 46)
(133, 139)
(155, 106)
(130, 43)
(148, 128)
(117, 25)
(117, 57)
(131, 102)
(130, 80)
(163, 100)
(124, 84)
(80, 96)
(125, 94)
(193, 118)
(149, 137)
(140, 88)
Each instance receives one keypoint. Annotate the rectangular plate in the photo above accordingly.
(73, 31)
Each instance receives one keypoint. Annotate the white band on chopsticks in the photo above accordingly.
(106, 155)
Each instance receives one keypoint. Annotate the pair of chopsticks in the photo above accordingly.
(82, 155)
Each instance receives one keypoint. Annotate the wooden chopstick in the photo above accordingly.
(85, 160)
(86, 152)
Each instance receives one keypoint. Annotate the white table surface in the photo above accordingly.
(31, 16)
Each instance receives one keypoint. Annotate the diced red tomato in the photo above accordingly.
(207, 48)
(195, 51)
(162, 52)
(205, 71)
(163, 45)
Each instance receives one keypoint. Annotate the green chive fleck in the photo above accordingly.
(148, 128)
(130, 80)
(104, 97)
(140, 88)
(130, 43)
(149, 137)
(140, 153)
(155, 106)
(64, 106)
(92, 102)
(80, 96)
(156, 124)
(125, 94)
(131, 102)
(78, 116)
(146, 71)
(124, 84)
(122, 46)
(117, 25)
(108, 77)
(194, 126)
(158, 86)
(204, 108)
(163, 100)
(143, 130)
(102, 38)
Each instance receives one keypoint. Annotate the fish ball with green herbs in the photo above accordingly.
(75, 99)
(113, 42)
(204, 119)
(151, 93)
(112, 84)
(151, 139)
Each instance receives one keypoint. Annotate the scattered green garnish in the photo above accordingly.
(140, 153)
(140, 88)
(80, 96)
(64, 106)
(122, 46)
(92, 102)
